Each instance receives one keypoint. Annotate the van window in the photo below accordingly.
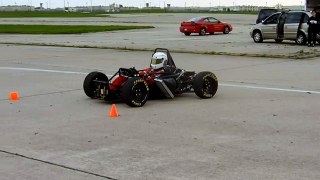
(264, 13)
(272, 19)
(306, 18)
(294, 18)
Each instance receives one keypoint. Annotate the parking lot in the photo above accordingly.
(262, 123)
(166, 34)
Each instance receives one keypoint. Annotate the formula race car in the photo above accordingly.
(161, 80)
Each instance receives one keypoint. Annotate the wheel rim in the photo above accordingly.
(203, 31)
(226, 30)
(208, 87)
(300, 39)
(257, 37)
(139, 93)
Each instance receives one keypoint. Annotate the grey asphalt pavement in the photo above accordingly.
(262, 124)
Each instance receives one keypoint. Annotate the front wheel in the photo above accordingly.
(187, 34)
(135, 92)
(257, 37)
(89, 86)
(205, 85)
(226, 30)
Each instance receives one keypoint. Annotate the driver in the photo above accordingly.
(158, 63)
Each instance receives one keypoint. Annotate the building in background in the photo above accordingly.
(114, 8)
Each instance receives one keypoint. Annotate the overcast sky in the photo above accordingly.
(141, 3)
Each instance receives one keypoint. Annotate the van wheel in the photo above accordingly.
(301, 39)
(257, 37)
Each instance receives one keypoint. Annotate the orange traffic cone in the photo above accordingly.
(113, 112)
(14, 96)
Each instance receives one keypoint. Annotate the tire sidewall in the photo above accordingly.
(301, 39)
(88, 84)
(199, 81)
(127, 91)
(226, 30)
(255, 33)
(202, 31)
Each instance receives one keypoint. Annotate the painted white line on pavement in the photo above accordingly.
(272, 89)
(226, 85)
(41, 70)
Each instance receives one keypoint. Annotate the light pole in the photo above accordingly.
(91, 6)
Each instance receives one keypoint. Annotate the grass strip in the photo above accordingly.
(297, 55)
(62, 29)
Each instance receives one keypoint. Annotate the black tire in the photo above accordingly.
(226, 30)
(301, 39)
(203, 31)
(278, 40)
(318, 41)
(205, 84)
(187, 34)
(135, 92)
(212, 33)
(88, 84)
(257, 37)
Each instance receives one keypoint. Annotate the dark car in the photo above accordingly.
(264, 13)
(204, 25)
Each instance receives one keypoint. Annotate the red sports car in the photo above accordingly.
(204, 25)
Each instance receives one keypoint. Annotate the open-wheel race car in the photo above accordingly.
(161, 80)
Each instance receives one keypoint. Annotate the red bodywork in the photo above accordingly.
(148, 75)
(210, 24)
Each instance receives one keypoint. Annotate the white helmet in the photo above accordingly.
(158, 60)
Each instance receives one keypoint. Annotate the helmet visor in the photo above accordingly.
(156, 61)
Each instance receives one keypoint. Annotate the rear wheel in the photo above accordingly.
(187, 34)
(257, 37)
(135, 92)
(301, 39)
(226, 30)
(205, 85)
(202, 32)
(89, 86)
